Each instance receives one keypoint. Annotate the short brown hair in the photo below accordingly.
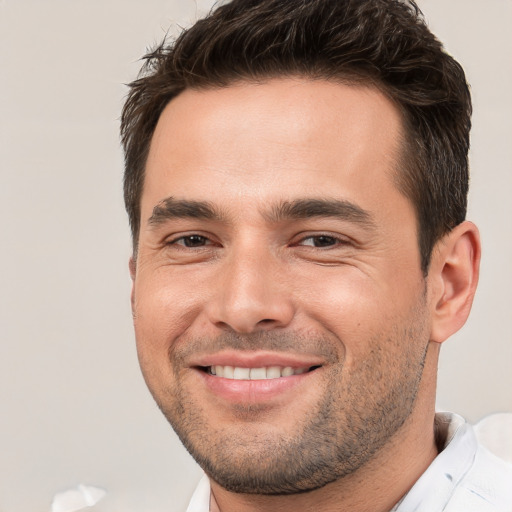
(384, 43)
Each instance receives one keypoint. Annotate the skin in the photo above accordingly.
(228, 272)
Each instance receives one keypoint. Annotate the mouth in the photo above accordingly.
(256, 377)
(265, 379)
(260, 373)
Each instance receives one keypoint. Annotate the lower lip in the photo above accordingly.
(252, 391)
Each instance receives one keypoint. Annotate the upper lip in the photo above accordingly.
(259, 359)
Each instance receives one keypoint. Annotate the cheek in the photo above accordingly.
(165, 304)
(343, 299)
(158, 321)
(357, 307)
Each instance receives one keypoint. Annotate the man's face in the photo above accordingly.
(279, 305)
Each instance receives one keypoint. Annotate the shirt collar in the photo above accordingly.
(435, 487)
(200, 501)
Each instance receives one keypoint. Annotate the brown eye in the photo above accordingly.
(320, 241)
(192, 241)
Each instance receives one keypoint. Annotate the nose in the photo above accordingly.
(252, 293)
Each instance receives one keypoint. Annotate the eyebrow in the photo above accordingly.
(311, 208)
(171, 208)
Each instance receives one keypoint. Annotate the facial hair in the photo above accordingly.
(362, 407)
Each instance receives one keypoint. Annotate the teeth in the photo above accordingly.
(239, 373)
(287, 371)
(274, 372)
(229, 372)
(258, 373)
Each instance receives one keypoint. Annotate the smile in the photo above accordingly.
(264, 373)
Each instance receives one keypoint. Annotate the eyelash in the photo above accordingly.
(336, 241)
(183, 238)
(333, 241)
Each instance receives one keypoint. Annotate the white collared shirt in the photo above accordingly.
(464, 477)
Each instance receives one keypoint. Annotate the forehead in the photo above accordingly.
(274, 140)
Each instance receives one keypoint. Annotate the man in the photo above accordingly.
(296, 181)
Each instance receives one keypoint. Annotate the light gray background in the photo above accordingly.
(73, 406)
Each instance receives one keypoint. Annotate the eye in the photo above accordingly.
(320, 241)
(191, 241)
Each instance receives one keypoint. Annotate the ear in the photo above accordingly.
(453, 276)
(132, 265)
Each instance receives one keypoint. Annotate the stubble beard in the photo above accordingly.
(358, 414)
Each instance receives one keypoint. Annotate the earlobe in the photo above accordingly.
(455, 269)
